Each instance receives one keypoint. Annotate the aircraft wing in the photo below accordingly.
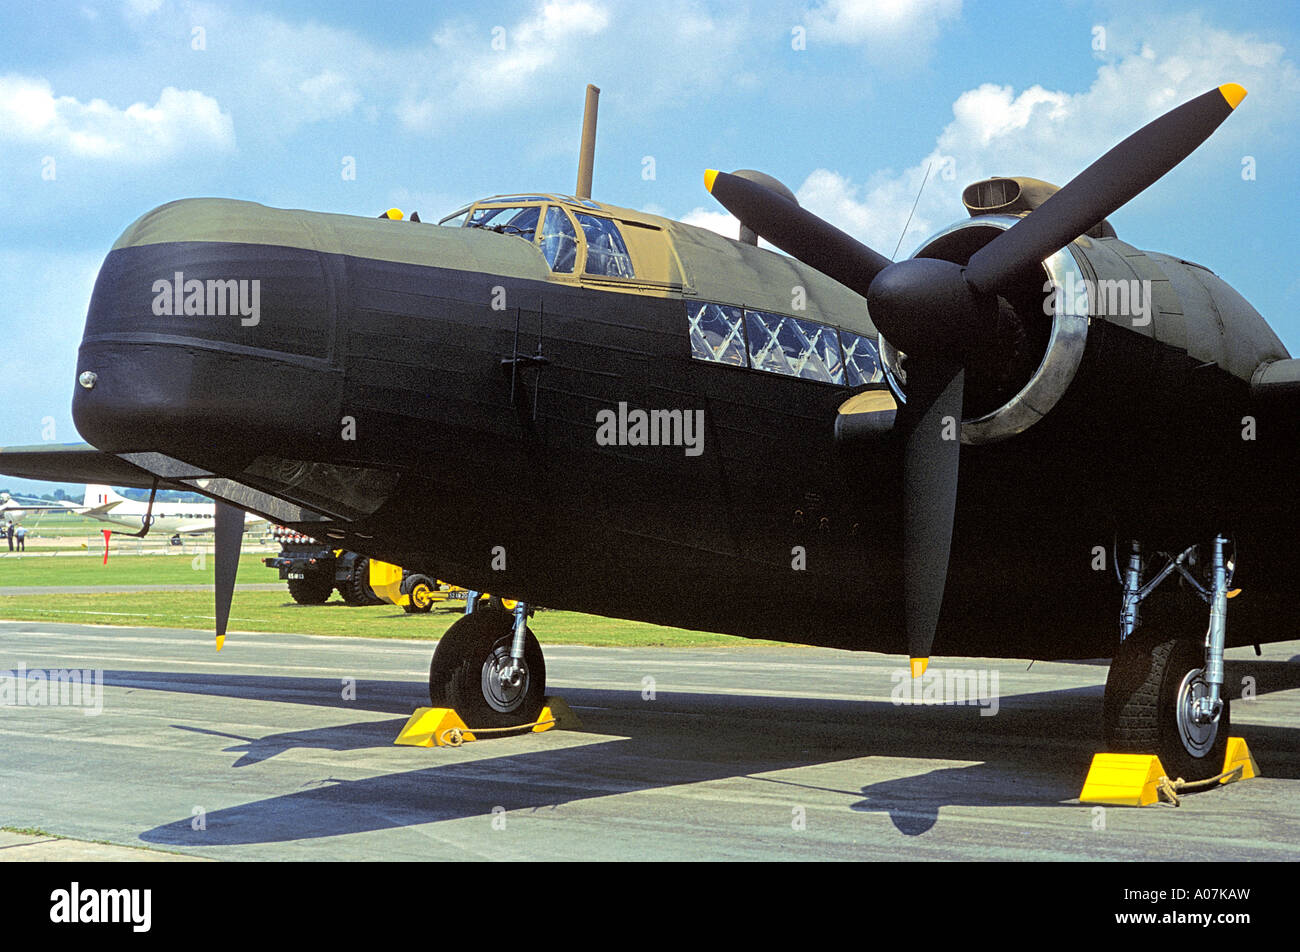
(195, 526)
(13, 505)
(71, 463)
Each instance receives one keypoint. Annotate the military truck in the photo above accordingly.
(314, 571)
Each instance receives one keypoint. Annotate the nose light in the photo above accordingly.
(87, 378)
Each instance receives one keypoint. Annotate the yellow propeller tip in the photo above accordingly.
(221, 640)
(394, 213)
(709, 176)
(919, 665)
(1233, 93)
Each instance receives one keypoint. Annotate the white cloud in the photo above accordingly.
(491, 68)
(180, 121)
(722, 223)
(1054, 134)
(883, 27)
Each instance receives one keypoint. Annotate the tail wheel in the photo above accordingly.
(421, 599)
(312, 590)
(466, 673)
(1153, 683)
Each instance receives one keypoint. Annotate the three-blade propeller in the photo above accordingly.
(935, 311)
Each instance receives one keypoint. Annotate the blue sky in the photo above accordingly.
(109, 109)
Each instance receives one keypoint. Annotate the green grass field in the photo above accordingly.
(176, 569)
(276, 611)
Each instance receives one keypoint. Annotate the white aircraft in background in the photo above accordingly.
(14, 510)
(175, 518)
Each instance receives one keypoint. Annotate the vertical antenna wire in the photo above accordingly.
(913, 211)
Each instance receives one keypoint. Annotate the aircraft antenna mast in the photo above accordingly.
(587, 155)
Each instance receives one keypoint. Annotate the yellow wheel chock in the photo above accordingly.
(443, 727)
(1137, 780)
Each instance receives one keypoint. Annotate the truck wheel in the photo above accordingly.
(1152, 682)
(421, 598)
(312, 590)
(355, 589)
(463, 674)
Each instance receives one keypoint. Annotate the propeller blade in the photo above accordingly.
(229, 539)
(930, 464)
(797, 231)
(1103, 187)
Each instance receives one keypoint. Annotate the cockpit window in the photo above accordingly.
(456, 219)
(510, 220)
(606, 253)
(559, 241)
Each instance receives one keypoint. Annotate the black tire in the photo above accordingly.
(312, 590)
(461, 673)
(420, 600)
(1140, 714)
(356, 589)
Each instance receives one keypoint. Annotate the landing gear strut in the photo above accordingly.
(1164, 692)
(489, 668)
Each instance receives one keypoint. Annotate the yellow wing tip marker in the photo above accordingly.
(919, 665)
(1233, 93)
(709, 176)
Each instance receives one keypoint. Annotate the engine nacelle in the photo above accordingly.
(1030, 358)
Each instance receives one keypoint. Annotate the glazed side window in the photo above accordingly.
(790, 345)
(861, 360)
(779, 344)
(559, 241)
(717, 332)
(606, 253)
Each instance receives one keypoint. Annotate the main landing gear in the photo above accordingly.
(489, 668)
(1164, 693)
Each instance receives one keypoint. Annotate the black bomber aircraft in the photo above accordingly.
(595, 409)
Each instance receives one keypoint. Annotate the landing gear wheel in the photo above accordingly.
(312, 590)
(421, 599)
(466, 667)
(1153, 682)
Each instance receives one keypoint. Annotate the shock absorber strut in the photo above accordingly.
(1207, 708)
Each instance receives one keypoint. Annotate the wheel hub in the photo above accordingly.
(1197, 736)
(503, 688)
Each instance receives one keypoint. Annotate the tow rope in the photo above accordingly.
(455, 736)
(1169, 790)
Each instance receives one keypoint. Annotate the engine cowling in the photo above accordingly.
(1032, 351)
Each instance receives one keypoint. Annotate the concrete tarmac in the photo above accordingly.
(280, 747)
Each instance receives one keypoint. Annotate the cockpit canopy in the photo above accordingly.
(576, 236)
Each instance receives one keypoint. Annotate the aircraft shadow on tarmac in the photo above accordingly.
(1035, 752)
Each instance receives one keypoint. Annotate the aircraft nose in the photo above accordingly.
(211, 328)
